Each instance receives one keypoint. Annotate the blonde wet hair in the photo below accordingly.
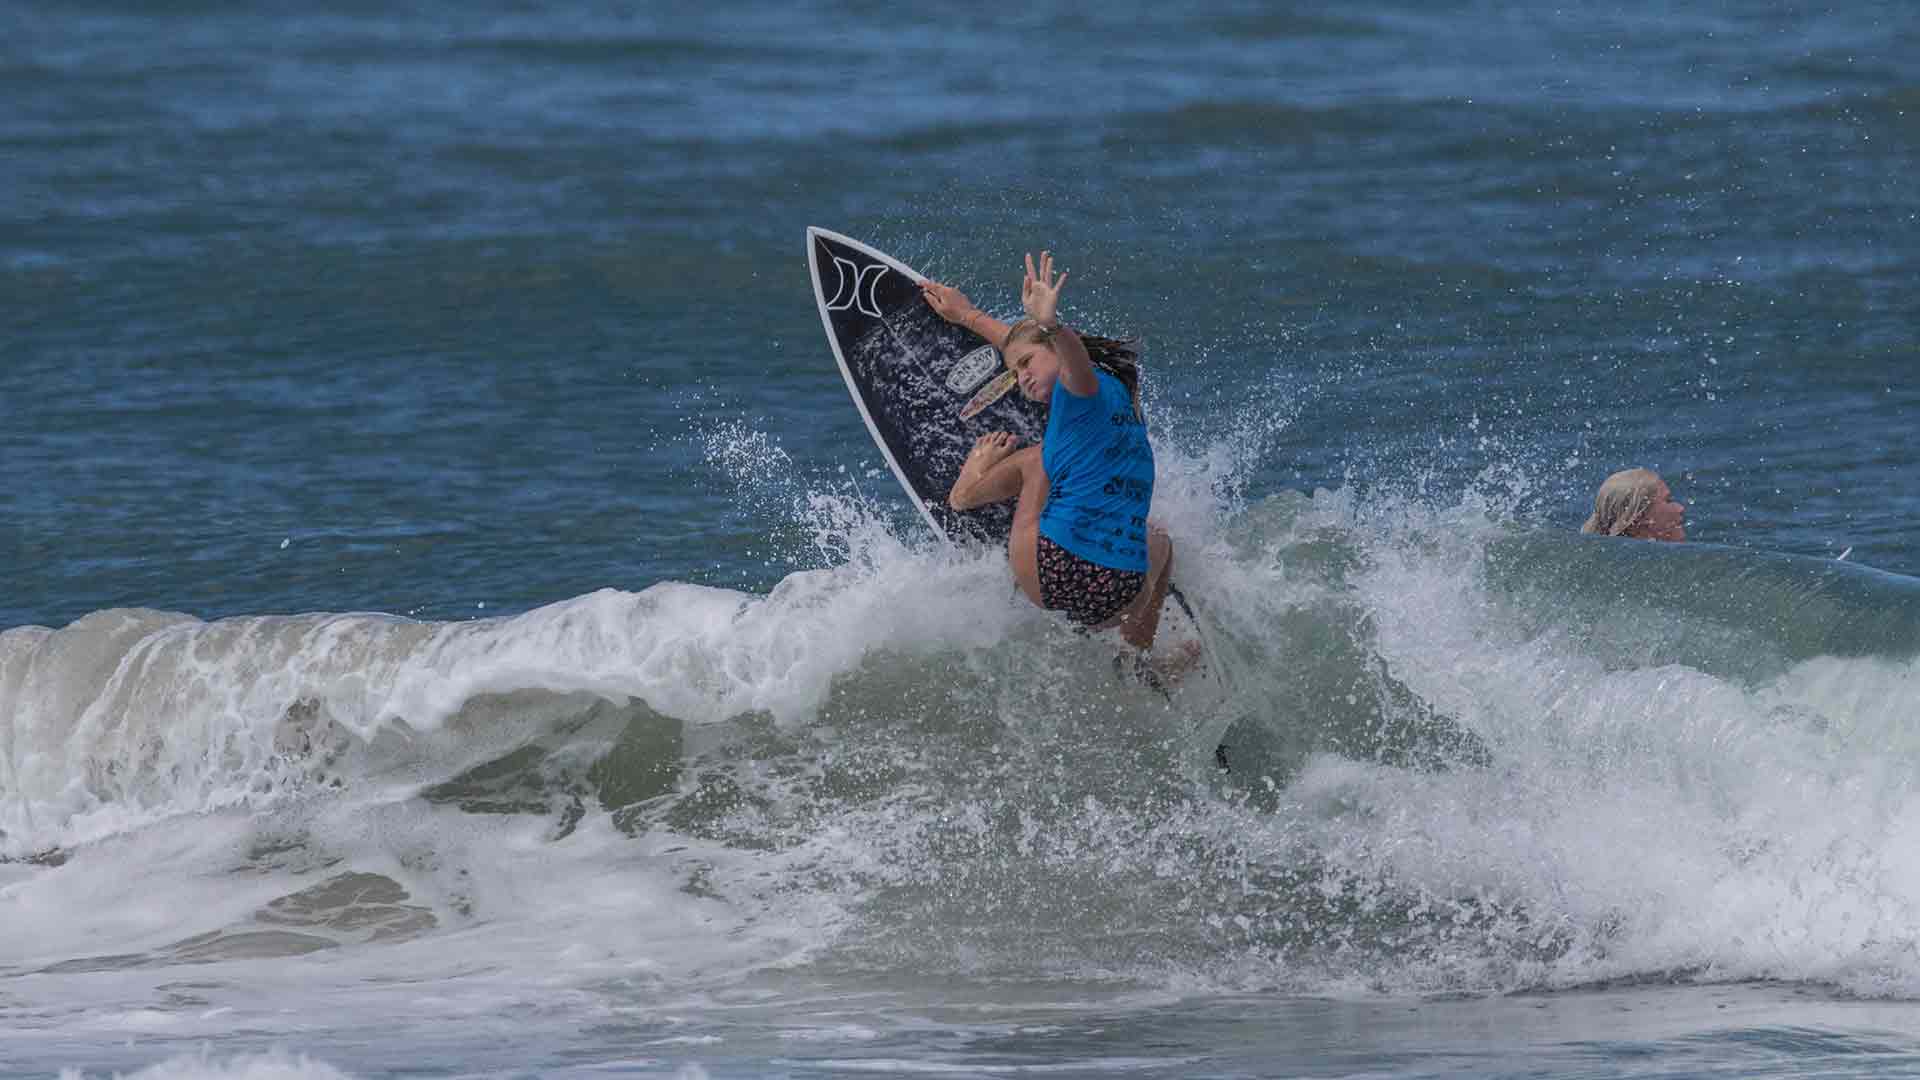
(1622, 502)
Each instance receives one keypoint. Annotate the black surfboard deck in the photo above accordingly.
(926, 388)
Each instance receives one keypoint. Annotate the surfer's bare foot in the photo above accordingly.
(1160, 671)
(1176, 663)
(988, 450)
(993, 471)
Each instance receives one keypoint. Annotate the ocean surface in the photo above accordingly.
(453, 621)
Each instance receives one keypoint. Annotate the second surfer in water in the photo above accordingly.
(1081, 542)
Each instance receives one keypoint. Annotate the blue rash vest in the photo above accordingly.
(1100, 474)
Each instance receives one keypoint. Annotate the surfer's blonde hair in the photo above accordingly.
(1118, 357)
(1622, 502)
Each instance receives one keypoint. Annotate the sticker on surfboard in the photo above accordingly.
(972, 369)
(988, 394)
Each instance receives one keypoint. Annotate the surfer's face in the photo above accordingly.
(1037, 368)
(1665, 519)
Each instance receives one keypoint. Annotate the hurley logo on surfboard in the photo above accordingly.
(856, 287)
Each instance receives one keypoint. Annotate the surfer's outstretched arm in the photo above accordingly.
(1040, 295)
(952, 305)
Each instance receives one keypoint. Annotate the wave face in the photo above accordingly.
(1465, 755)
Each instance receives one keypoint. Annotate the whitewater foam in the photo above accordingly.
(1442, 777)
(203, 1065)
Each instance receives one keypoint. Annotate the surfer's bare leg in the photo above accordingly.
(1023, 543)
(1141, 619)
(995, 472)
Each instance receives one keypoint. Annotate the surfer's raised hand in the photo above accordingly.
(1040, 295)
(1040, 290)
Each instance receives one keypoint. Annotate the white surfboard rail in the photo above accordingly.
(853, 387)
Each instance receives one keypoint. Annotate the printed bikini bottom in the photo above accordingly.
(1086, 591)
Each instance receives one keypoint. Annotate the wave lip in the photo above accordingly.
(1727, 610)
(130, 712)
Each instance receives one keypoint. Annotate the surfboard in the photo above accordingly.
(927, 389)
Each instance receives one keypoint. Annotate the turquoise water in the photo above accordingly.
(662, 738)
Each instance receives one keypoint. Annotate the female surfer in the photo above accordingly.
(1081, 541)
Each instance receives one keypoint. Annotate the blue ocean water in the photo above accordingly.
(455, 621)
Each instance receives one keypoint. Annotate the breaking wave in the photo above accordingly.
(1462, 754)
